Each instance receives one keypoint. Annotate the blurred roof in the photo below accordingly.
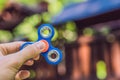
(85, 10)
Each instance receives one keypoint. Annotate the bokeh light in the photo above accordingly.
(2, 4)
(94, 42)
(105, 31)
(55, 7)
(88, 32)
(5, 36)
(27, 28)
(101, 70)
(69, 35)
(111, 38)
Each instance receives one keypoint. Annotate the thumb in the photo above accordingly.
(30, 51)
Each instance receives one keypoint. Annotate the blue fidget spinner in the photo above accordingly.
(52, 55)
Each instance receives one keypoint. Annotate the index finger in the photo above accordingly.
(7, 48)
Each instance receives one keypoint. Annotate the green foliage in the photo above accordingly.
(46, 17)
(69, 35)
(111, 38)
(71, 26)
(66, 2)
(5, 36)
(32, 74)
(28, 2)
(2, 4)
(101, 70)
(55, 37)
(105, 30)
(88, 32)
(69, 32)
(55, 7)
(27, 28)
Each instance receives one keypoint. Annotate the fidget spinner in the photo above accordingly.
(51, 54)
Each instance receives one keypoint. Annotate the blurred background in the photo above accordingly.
(86, 31)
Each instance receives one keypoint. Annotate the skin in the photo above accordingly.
(11, 59)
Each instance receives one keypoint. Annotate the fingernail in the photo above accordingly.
(40, 45)
(36, 58)
(24, 74)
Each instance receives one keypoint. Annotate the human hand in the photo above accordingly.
(11, 59)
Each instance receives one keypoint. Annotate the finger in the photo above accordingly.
(30, 51)
(23, 74)
(37, 57)
(29, 63)
(12, 47)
